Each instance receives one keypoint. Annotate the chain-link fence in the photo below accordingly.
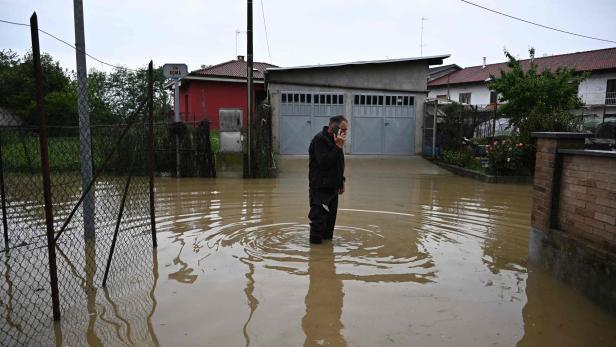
(77, 223)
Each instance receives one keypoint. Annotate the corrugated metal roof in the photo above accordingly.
(232, 69)
(437, 59)
(601, 59)
(443, 67)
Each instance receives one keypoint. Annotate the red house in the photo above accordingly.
(204, 92)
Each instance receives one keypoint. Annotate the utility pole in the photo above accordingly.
(85, 139)
(176, 104)
(421, 45)
(249, 74)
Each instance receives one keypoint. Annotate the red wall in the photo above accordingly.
(217, 95)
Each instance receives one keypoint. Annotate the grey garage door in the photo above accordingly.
(383, 124)
(302, 115)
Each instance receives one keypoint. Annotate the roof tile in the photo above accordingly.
(232, 69)
(601, 59)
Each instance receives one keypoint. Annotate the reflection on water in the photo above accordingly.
(324, 300)
(419, 257)
(91, 315)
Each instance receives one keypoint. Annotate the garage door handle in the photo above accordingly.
(386, 123)
(309, 122)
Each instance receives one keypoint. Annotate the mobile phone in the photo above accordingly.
(336, 130)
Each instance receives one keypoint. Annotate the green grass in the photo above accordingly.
(215, 140)
(22, 153)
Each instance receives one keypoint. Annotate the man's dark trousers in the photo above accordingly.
(322, 221)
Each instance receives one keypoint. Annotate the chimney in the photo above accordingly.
(484, 63)
(240, 58)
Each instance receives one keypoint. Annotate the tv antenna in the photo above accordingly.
(238, 32)
(421, 45)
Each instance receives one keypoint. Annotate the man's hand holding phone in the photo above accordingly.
(339, 137)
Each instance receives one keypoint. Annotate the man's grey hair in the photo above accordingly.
(337, 119)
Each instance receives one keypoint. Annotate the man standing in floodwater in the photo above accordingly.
(326, 177)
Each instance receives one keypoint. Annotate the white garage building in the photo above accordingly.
(382, 99)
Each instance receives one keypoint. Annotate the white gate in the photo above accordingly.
(383, 124)
(302, 115)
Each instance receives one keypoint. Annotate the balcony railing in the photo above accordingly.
(598, 98)
(610, 98)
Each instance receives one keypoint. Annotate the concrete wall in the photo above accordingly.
(274, 90)
(480, 94)
(206, 98)
(410, 76)
(406, 77)
(592, 90)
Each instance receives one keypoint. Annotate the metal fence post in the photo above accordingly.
(42, 123)
(5, 228)
(250, 87)
(434, 128)
(118, 223)
(151, 157)
(85, 139)
(494, 125)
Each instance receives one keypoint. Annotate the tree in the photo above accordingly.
(124, 90)
(112, 97)
(17, 88)
(537, 101)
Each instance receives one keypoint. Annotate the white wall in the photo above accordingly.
(592, 90)
(480, 94)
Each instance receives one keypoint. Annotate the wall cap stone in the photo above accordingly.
(588, 152)
(560, 135)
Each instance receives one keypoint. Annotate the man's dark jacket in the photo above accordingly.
(326, 162)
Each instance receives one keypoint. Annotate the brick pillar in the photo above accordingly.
(547, 175)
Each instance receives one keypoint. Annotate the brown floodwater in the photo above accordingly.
(420, 257)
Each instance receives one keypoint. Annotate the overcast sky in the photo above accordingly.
(131, 32)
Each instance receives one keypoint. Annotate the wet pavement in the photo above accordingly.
(420, 257)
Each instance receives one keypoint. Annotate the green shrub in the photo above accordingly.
(460, 158)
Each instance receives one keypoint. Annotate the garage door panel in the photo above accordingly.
(296, 133)
(318, 123)
(367, 135)
(327, 110)
(398, 135)
(396, 113)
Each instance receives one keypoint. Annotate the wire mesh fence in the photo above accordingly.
(77, 221)
(82, 256)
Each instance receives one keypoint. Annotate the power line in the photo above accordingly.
(70, 45)
(266, 38)
(537, 24)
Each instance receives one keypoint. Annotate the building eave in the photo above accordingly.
(432, 60)
(215, 79)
